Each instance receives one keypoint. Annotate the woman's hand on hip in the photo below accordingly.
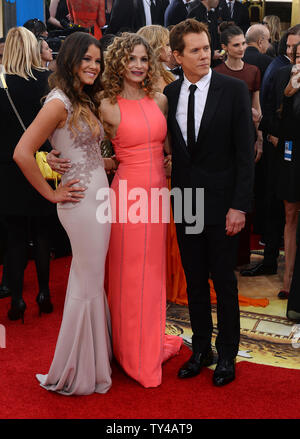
(59, 165)
(68, 193)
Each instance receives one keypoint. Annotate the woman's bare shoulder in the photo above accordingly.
(109, 111)
(161, 101)
(107, 105)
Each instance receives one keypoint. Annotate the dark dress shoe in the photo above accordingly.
(259, 270)
(293, 315)
(17, 310)
(224, 372)
(194, 365)
(4, 291)
(44, 302)
(283, 295)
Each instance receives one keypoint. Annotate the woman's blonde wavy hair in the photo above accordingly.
(84, 100)
(158, 37)
(116, 61)
(274, 26)
(21, 53)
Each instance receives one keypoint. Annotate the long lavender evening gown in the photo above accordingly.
(81, 363)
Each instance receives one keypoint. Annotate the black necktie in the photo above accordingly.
(191, 118)
(153, 11)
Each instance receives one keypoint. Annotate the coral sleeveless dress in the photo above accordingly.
(137, 250)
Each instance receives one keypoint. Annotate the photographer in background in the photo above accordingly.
(37, 27)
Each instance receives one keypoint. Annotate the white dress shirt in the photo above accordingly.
(200, 101)
(147, 9)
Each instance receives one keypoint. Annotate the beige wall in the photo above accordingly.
(295, 12)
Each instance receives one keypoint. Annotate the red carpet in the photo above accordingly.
(259, 392)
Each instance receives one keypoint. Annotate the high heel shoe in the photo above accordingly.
(44, 302)
(17, 310)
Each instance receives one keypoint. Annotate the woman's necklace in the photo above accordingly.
(240, 67)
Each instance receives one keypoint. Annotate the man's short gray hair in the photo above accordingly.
(255, 33)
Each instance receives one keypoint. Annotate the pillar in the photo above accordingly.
(295, 12)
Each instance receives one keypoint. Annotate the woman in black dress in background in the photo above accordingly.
(233, 42)
(289, 171)
(21, 204)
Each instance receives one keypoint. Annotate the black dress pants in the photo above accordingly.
(275, 216)
(211, 253)
(3, 251)
(17, 251)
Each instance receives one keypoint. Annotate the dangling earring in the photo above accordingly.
(145, 84)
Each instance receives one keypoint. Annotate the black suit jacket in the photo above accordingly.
(268, 92)
(281, 81)
(175, 13)
(260, 60)
(223, 160)
(240, 14)
(129, 15)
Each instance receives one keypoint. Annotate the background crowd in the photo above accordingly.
(261, 55)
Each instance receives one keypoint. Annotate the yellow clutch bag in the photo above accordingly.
(48, 173)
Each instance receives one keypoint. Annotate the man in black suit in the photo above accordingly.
(176, 12)
(211, 129)
(131, 15)
(257, 39)
(205, 12)
(233, 10)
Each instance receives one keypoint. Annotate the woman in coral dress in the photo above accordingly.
(159, 39)
(135, 118)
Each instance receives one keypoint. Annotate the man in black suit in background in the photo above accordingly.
(257, 39)
(233, 10)
(210, 123)
(131, 15)
(205, 12)
(176, 12)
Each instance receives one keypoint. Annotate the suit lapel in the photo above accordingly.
(172, 115)
(140, 12)
(212, 101)
(226, 10)
(234, 12)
